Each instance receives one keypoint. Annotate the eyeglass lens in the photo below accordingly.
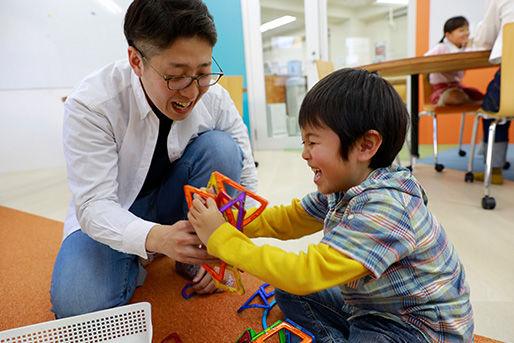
(203, 81)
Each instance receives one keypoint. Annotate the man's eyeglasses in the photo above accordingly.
(177, 82)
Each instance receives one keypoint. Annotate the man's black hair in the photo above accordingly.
(353, 101)
(153, 25)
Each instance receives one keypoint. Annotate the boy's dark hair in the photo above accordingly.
(352, 101)
(153, 25)
(452, 24)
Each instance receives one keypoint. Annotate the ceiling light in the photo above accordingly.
(392, 2)
(270, 25)
(111, 6)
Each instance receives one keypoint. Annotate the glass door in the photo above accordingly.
(282, 45)
(284, 56)
(281, 42)
(368, 31)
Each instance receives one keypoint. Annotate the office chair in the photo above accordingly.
(505, 113)
(234, 85)
(324, 68)
(434, 111)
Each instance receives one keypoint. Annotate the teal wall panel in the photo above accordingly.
(229, 51)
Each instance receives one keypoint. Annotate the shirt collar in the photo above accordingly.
(140, 96)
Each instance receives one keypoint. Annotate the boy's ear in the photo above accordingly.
(368, 145)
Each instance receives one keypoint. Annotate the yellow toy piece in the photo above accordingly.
(238, 284)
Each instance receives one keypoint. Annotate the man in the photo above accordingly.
(135, 132)
(489, 35)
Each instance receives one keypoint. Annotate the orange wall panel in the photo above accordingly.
(448, 125)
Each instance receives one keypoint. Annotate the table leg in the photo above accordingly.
(414, 118)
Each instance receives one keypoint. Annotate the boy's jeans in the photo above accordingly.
(325, 315)
(90, 276)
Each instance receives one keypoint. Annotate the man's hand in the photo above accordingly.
(178, 241)
(205, 217)
(203, 283)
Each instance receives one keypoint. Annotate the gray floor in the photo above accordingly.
(483, 239)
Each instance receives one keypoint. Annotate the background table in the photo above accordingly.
(424, 65)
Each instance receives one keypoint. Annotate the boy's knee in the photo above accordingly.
(285, 299)
(280, 294)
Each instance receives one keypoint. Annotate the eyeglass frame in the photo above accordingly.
(167, 78)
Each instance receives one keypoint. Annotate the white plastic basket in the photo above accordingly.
(124, 324)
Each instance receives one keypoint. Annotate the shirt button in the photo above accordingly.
(350, 217)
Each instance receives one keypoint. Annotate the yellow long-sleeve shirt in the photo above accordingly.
(320, 268)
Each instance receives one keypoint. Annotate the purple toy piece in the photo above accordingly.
(238, 199)
(184, 293)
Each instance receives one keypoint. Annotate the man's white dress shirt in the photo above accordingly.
(110, 133)
(489, 32)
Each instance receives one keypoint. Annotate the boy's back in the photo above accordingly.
(417, 277)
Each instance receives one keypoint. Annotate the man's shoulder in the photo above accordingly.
(104, 83)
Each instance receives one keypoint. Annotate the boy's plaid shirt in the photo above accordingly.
(417, 277)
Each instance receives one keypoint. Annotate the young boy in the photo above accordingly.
(384, 270)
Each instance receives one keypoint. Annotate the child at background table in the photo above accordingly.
(448, 89)
(385, 269)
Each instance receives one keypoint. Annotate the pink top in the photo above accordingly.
(446, 47)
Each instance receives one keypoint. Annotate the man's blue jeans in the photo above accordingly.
(90, 276)
(325, 315)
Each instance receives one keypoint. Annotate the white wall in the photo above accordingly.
(393, 34)
(442, 10)
(30, 129)
(48, 47)
(54, 43)
(377, 31)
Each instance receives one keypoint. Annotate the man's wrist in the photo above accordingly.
(153, 239)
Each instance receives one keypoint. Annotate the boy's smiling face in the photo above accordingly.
(322, 152)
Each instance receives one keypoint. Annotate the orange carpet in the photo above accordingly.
(29, 245)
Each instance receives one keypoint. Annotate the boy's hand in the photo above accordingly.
(205, 217)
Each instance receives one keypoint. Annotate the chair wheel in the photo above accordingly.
(506, 165)
(439, 167)
(488, 203)
(462, 153)
(469, 177)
